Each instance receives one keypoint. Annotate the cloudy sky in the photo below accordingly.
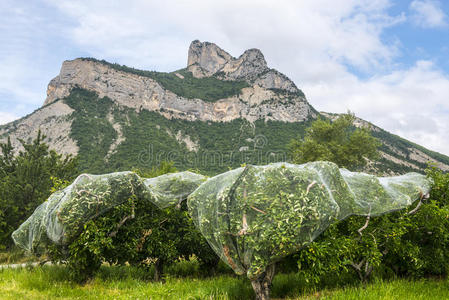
(385, 60)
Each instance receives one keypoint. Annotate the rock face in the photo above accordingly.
(271, 95)
(53, 120)
(212, 59)
(207, 59)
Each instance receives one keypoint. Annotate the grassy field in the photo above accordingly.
(51, 282)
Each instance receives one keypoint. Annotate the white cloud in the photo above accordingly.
(6, 117)
(410, 102)
(428, 14)
(17, 79)
(28, 49)
(152, 33)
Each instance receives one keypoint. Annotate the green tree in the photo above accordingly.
(336, 141)
(139, 233)
(412, 242)
(26, 180)
(407, 242)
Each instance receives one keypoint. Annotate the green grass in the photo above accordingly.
(396, 289)
(51, 282)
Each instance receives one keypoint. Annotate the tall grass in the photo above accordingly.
(114, 282)
(50, 282)
(16, 256)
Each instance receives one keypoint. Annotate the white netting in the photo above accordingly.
(64, 214)
(251, 216)
(256, 215)
(169, 189)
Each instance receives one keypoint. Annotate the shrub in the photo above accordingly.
(137, 233)
(412, 242)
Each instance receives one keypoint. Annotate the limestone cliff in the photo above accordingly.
(207, 59)
(53, 120)
(270, 95)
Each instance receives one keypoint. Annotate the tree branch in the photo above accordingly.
(120, 224)
(423, 197)
(366, 223)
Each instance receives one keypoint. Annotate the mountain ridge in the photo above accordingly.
(264, 96)
(217, 104)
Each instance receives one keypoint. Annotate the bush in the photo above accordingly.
(136, 233)
(405, 243)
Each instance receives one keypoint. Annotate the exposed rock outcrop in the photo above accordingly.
(418, 155)
(207, 59)
(270, 96)
(212, 60)
(53, 120)
(139, 92)
(400, 157)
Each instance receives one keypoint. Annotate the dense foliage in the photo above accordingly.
(183, 84)
(150, 138)
(26, 180)
(411, 242)
(401, 243)
(255, 216)
(336, 141)
(139, 233)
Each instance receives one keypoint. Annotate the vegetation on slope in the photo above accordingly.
(208, 88)
(404, 146)
(150, 138)
(90, 127)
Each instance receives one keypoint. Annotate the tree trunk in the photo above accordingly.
(158, 269)
(262, 285)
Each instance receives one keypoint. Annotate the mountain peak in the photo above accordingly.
(207, 59)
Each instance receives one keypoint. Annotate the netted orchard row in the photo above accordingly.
(251, 217)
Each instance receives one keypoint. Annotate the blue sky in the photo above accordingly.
(418, 39)
(386, 60)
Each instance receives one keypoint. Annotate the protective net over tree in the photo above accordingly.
(251, 216)
(61, 218)
(254, 216)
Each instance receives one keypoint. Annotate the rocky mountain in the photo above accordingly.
(260, 93)
(218, 112)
